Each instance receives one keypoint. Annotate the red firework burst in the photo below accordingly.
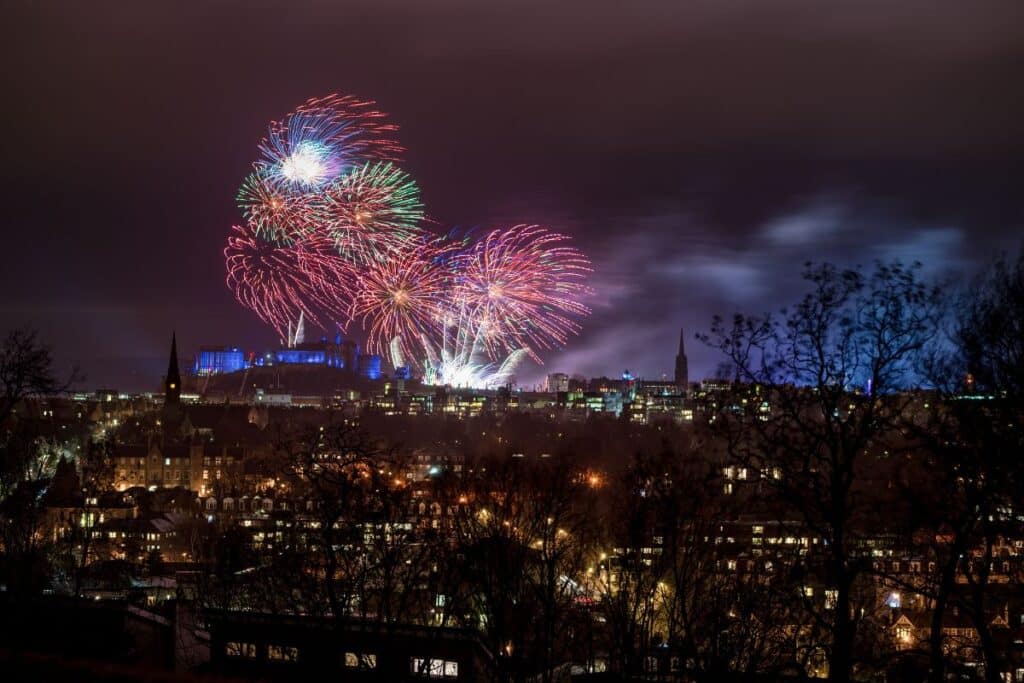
(279, 283)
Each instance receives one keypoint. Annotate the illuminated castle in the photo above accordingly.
(342, 354)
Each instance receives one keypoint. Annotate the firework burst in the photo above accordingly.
(280, 283)
(325, 138)
(335, 231)
(275, 213)
(403, 298)
(523, 286)
(371, 212)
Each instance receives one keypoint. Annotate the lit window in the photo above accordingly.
(282, 653)
(167, 462)
(831, 597)
(435, 668)
(236, 649)
(360, 660)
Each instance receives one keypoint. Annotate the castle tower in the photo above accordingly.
(682, 367)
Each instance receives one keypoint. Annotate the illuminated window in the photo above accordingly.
(236, 649)
(831, 597)
(282, 653)
(360, 660)
(435, 668)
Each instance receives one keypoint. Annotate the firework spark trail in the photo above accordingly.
(523, 288)
(461, 361)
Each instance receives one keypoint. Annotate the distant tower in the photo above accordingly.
(172, 383)
(682, 367)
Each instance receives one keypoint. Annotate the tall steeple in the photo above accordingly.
(682, 367)
(172, 383)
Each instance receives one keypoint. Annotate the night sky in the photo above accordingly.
(698, 152)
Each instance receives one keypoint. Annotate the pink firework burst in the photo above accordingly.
(281, 282)
(403, 298)
(523, 286)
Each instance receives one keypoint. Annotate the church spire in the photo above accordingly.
(682, 366)
(172, 383)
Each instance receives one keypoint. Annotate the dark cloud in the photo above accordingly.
(699, 151)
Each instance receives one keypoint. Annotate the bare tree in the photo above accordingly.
(26, 460)
(971, 440)
(629, 571)
(521, 535)
(26, 369)
(821, 398)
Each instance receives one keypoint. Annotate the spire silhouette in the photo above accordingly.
(172, 382)
(682, 377)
